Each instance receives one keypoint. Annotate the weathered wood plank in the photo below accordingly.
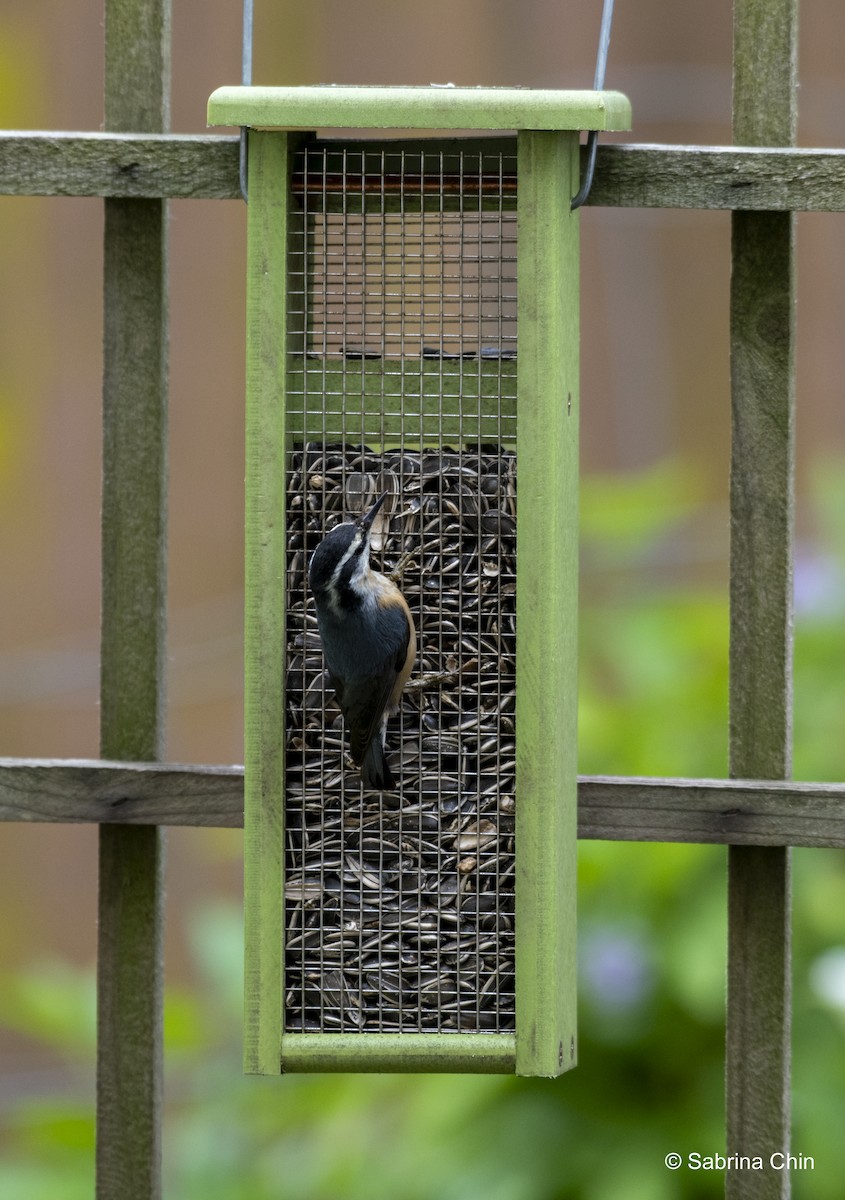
(205, 167)
(124, 793)
(134, 597)
(719, 177)
(125, 165)
(762, 482)
(134, 512)
(707, 811)
(129, 1012)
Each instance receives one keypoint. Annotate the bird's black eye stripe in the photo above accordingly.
(359, 549)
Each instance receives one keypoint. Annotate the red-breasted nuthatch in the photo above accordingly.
(369, 640)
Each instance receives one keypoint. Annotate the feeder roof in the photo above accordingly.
(434, 107)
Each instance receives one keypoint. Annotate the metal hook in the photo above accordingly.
(592, 136)
(246, 80)
(598, 84)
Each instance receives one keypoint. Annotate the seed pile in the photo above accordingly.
(399, 906)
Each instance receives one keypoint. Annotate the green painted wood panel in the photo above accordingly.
(269, 165)
(404, 389)
(477, 1053)
(546, 603)
(417, 108)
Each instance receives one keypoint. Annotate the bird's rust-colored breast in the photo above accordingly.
(388, 595)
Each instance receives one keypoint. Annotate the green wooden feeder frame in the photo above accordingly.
(547, 125)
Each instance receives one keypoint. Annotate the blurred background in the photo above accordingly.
(655, 421)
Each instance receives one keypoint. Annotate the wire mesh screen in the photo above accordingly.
(399, 906)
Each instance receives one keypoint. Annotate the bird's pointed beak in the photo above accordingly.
(364, 522)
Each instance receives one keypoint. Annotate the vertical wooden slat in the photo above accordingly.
(129, 975)
(546, 602)
(762, 379)
(264, 603)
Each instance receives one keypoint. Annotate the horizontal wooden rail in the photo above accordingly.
(123, 165)
(719, 178)
(205, 167)
(720, 811)
(94, 790)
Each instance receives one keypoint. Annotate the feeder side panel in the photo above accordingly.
(268, 215)
(547, 594)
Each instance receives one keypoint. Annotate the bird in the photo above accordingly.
(369, 640)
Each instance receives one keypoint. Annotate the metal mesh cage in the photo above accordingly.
(399, 907)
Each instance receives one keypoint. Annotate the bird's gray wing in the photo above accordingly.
(363, 704)
(364, 700)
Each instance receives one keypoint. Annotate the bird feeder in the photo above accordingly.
(413, 328)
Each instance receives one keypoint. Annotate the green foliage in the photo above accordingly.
(624, 517)
(53, 1004)
(653, 684)
(820, 631)
(652, 937)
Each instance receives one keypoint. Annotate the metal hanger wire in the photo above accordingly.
(592, 136)
(246, 80)
(598, 85)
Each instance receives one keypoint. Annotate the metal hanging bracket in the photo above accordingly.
(592, 136)
(246, 80)
(598, 85)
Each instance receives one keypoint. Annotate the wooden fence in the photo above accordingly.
(135, 166)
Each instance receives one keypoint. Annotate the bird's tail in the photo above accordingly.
(375, 773)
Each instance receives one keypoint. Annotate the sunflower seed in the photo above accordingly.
(419, 882)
